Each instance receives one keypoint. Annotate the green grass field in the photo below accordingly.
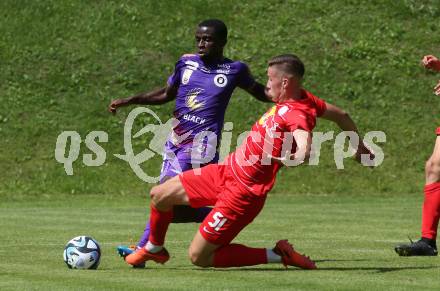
(351, 238)
(63, 61)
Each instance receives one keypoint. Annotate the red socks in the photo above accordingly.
(159, 222)
(431, 211)
(236, 255)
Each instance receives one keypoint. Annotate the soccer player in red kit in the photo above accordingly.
(427, 245)
(238, 187)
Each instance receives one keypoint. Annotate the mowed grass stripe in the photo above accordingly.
(353, 247)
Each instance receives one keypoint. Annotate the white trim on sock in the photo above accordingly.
(153, 248)
(272, 257)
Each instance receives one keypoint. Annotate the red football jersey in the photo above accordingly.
(250, 163)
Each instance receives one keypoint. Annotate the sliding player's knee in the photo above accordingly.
(432, 169)
(158, 197)
(154, 195)
(198, 259)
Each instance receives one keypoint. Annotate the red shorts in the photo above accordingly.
(234, 206)
(437, 132)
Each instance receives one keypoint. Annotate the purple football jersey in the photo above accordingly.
(204, 91)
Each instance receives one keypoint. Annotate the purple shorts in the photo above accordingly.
(177, 160)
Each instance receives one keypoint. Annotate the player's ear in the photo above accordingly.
(284, 83)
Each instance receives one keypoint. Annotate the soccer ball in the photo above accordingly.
(82, 252)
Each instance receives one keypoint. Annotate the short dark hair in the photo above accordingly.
(289, 64)
(221, 31)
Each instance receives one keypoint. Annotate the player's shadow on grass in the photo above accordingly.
(380, 269)
(342, 260)
(377, 269)
(290, 269)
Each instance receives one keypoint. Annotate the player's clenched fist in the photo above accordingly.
(115, 104)
(364, 150)
(431, 62)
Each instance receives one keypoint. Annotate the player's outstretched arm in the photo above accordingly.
(155, 97)
(340, 117)
(344, 121)
(303, 140)
(258, 91)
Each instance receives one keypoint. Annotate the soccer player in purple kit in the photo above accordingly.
(201, 85)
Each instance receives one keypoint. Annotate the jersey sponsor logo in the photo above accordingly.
(186, 75)
(195, 119)
(191, 99)
(191, 66)
(224, 66)
(220, 80)
(221, 71)
(266, 115)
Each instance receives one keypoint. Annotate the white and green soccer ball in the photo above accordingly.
(82, 252)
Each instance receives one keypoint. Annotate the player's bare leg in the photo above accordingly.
(432, 169)
(201, 252)
(163, 198)
(427, 246)
(181, 214)
(205, 254)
